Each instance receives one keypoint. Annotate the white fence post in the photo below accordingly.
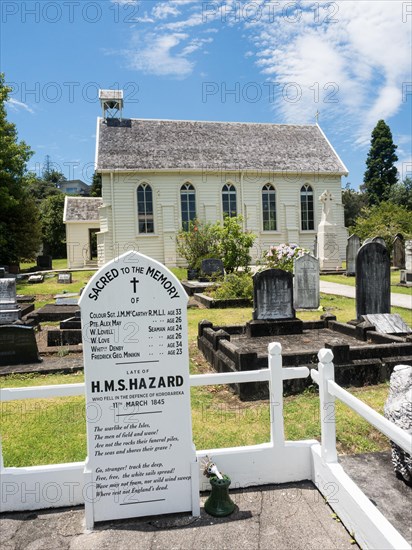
(277, 432)
(327, 406)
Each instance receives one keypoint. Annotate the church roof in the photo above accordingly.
(141, 144)
(81, 209)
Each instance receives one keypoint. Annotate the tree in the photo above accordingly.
(384, 220)
(96, 186)
(20, 233)
(381, 173)
(401, 193)
(53, 229)
(40, 188)
(353, 202)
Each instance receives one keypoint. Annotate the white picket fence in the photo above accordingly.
(277, 461)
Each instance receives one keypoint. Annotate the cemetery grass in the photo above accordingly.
(50, 431)
(59, 263)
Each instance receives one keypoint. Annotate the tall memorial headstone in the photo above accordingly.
(273, 295)
(406, 274)
(306, 282)
(398, 253)
(352, 249)
(328, 248)
(141, 459)
(9, 310)
(380, 240)
(273, 311)
(372, 280)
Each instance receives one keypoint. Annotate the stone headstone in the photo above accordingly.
(44, 262)
(398, 253)
(379, 240)
(328, 248)
(273, 295)
(372, 280)
(64, 278)
(35, 279)
(9, 310)
(2, 272)
(212, 267)
(352, 249)
(18, 345)
(306, 282)
(408, 255)
(141, 459)
(315, 247)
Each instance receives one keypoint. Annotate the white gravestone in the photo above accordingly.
(141, 458)
(9, 310)
(328, 248)
(306, 282)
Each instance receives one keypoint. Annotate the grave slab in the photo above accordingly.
(18, 345)
(388, 323)
(372, 280)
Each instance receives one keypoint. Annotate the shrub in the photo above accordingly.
(235, 285)
(227, 242)
(199, 242)
(282, 256)
(234, 244)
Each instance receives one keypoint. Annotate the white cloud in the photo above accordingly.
(160, 56)
(17, 105)
(164, 10)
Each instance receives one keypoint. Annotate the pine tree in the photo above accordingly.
(381, 173)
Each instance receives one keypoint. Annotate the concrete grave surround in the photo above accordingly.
(9, 310)
(306, 282)
(140, 452)
(352, 249)
(372, 280)
(273, 295)
(328, 248)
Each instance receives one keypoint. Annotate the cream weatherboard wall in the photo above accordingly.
(119, 221)
(77, 239)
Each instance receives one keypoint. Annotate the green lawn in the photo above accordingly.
(48, 431)
(43, 431)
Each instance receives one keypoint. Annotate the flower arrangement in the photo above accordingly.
(283, 256)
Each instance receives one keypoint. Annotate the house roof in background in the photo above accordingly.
(140, 144)
(82, 209)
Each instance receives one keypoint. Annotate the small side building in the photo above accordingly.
(81, 217)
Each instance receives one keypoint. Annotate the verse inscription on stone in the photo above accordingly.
(140, 449)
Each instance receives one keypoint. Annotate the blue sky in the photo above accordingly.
(226, 60)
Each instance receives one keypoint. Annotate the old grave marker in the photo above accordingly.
(211, 268)
(9, 310)
(273, 295)
(372, 280)
(64, 278)
(352, 249)
(306, 282)
(398, 253)
(18, 345)
(141, 459)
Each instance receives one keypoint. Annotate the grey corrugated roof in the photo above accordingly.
(81, 209)
(138, 144)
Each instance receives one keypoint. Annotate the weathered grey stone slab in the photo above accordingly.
(64, 278)
(306, 282)
(398, 254)
(212, 267)
(273, 295)
(352, 249)
(379, 240)
(35, 279)
(388, 323)
(372, 280)
(408, 255)
(9, 310)
(18, 345)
